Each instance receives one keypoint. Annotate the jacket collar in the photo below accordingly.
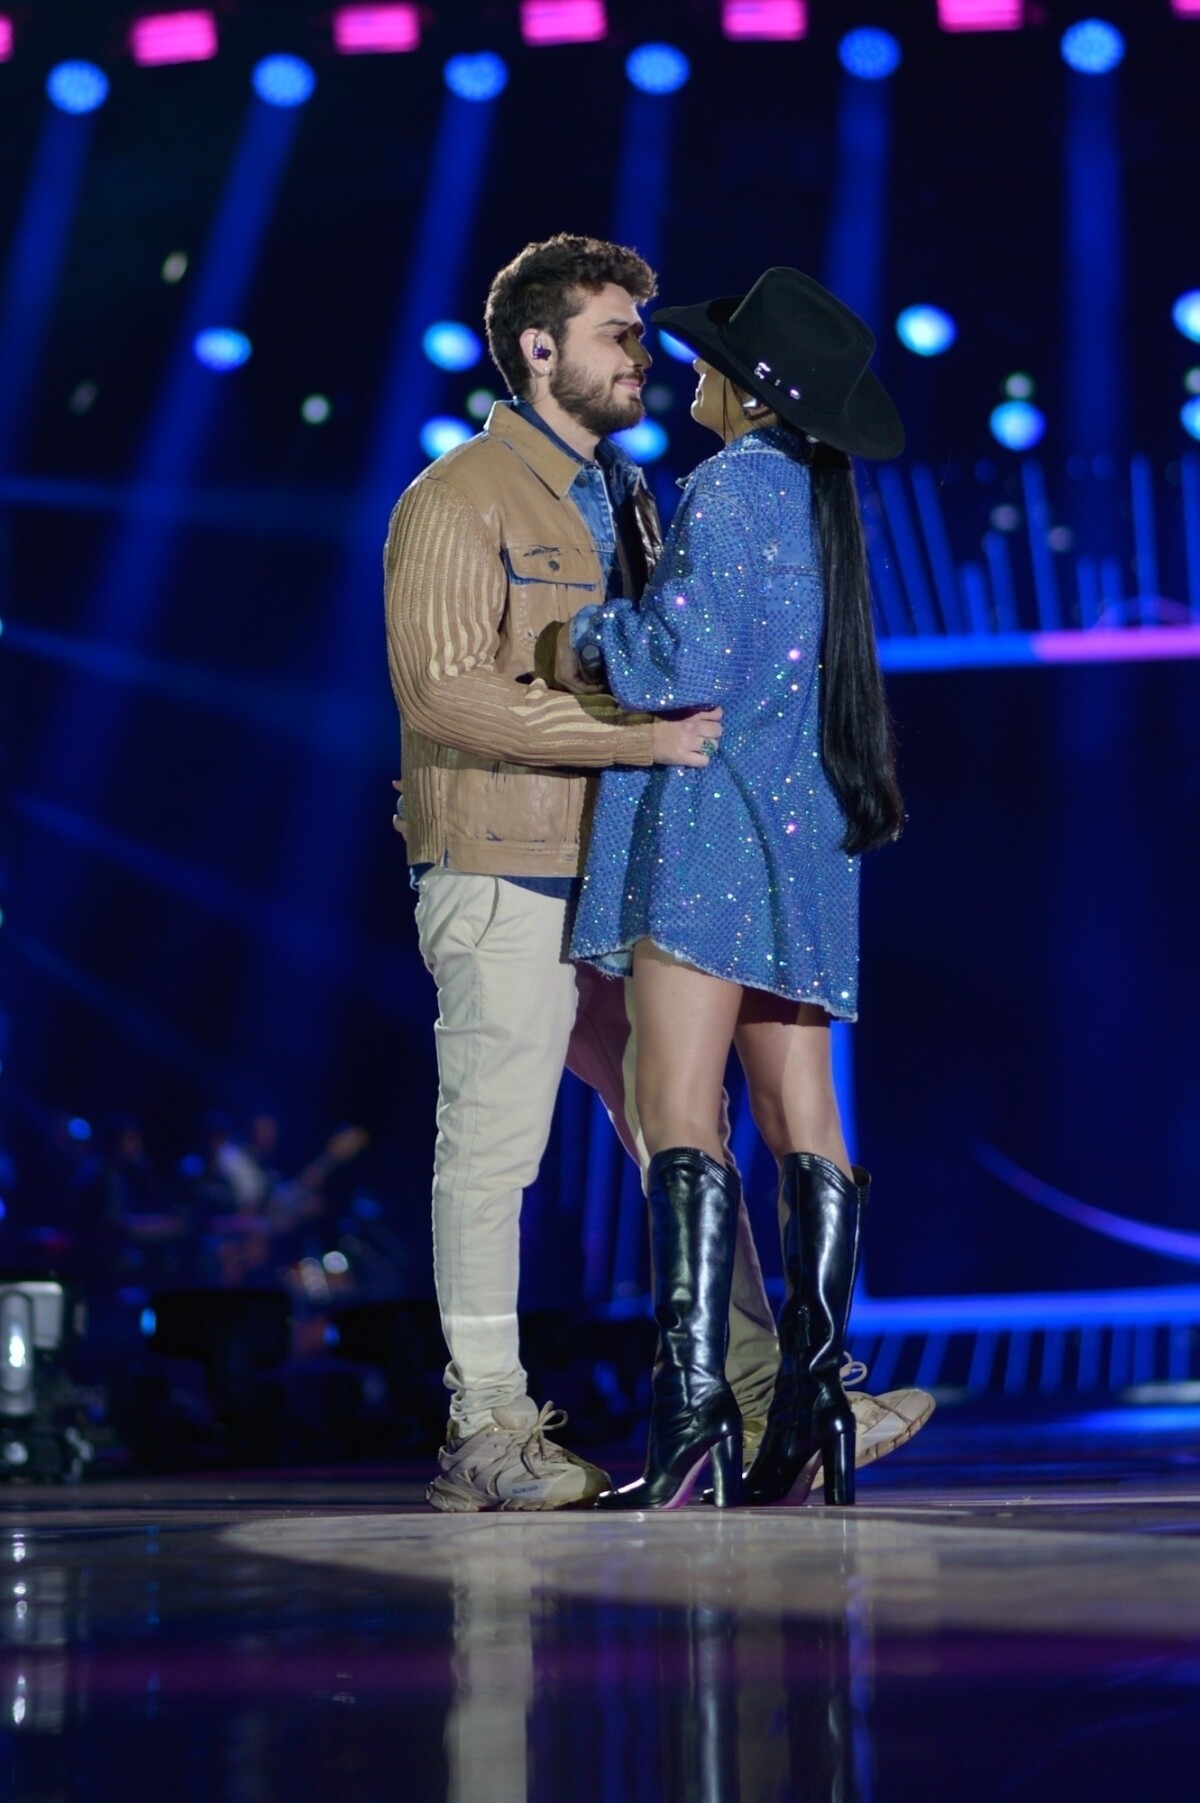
(557, 469)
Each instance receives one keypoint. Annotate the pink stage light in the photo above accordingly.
(1186, 9)
(6, 39)
(776, 19)
(376, 30)
(981, 15)
(189, 37)
(563, 21)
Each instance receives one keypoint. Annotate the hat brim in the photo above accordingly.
(867, 426)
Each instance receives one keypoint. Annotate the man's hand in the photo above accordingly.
(687, 741)
(568, 671)
(398, 821)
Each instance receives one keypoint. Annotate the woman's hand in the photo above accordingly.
(691, 740)
(399, 824)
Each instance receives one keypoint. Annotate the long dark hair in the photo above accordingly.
(857, 742)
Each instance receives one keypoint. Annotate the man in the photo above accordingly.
(488, 551)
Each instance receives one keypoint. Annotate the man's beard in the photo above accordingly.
(593, 401)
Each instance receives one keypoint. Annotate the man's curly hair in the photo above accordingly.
(546, 285)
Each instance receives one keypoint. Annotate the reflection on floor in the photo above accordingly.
(1013, 1611)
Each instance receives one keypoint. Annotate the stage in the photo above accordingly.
(1010, 1611)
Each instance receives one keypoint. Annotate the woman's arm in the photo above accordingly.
(686, 642)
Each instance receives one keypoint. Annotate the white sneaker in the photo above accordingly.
(882, 1422)
(512, 1465)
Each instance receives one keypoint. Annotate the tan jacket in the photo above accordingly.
(485, 552)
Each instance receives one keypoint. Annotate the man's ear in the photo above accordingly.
(537, 348)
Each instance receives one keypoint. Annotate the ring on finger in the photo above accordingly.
(709, 747)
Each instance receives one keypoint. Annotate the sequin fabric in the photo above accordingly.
(736, 867)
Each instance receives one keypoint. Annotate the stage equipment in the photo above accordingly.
(176, 37)
(981, 15)
(644, 442)
(926, 331)
(869, 54)
(1092, 47)
(34, 1390)
(375, 30)
(479, 77)
(1017, 425)
(657, 68)
(1186, 314)
(563, 21)
(77, 87)
(283, 80)
(442, 433)
(451, 345)
(221, 348)
(778, 20)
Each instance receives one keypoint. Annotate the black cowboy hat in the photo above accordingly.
(802, 351)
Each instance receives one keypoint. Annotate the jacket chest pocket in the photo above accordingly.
(549, 582)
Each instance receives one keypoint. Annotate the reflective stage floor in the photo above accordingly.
(1011, 1612)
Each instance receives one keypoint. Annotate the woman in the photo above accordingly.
(735, 886)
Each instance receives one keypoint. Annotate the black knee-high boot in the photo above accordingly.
(693, 1223)
(810, 1419)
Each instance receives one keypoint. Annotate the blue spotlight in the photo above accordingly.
(451, 345)
(1189, 413)
(644, 442)
(657, 68)
(1186, 314)
(675, 347)
(79, 1130)
(926, 331)
(1092, 47)
(441, 434)
(479, 77)
(1017, 425)
(221, 348)
(283, 80)
(869, 53)
(77, 87)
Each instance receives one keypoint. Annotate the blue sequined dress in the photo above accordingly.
(736, 868)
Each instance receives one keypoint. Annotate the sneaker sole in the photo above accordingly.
(451, 1501)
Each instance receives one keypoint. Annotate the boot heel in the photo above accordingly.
(726, 1460)
(839, 1470)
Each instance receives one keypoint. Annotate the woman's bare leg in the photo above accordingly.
(685, 1025)
(785, 1052)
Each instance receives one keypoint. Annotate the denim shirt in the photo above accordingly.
(599, 490)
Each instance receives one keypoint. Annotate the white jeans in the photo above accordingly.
(507, 1003)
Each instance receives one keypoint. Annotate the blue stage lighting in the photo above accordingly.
(283, 80)
(644, 442)
(478, 77)
(451, 345)
(1189, 413)
(77, 87)
(1092, 47)
(675, 347)
(1017, 425)
(1186, 314)
(657, 68)
(221, 348)
(869, 53)
(926, 331)
(441, 434)
(78, 1129)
